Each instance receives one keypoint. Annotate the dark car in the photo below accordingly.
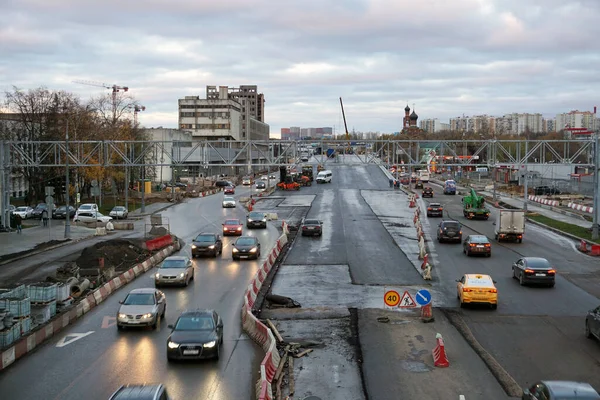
(207, 244)
(419, 185)
(435, 210)
(560, 390)
(246, 247)
(222, 184)
(229, 190)
(449, 231)
(477, 244)
(196, 335)
(232, 227)
(141, 392)
(405, 180)
(545, 190)
(40, 211)
(256, 220)
(592, 323)
(312, 227)
(261, 185)
(427, 192)
(61, 212)
(534, 270)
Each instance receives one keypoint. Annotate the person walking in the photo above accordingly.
(18, 221)
(45, 218)
(391, 182)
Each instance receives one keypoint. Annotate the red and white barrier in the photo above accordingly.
(258, 331)
(425, 265)
(580, 207)
(440, 359)
(541, 200)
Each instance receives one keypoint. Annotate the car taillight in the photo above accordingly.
(472, 244)
(460, 232)
(440, 209)
(519, 236)
(552, 272)
(529, 271)
(466, 290)
(493, 291)
(487, 245)
(429, 208)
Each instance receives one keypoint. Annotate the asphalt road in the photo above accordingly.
(96, 365)
(536, 333)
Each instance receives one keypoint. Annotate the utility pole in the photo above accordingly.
(4, 212)
(143, 180)
(67, 194)
(525, 199)
(596, 189)
(494, 177)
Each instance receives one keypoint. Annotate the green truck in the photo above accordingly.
(474, 206)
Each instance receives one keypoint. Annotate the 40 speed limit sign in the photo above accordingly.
(391, 299)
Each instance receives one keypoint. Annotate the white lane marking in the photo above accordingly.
(72, 337)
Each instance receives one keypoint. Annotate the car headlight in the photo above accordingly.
(157, 275)
(239, 228)
(181, 275)
(122, 316)
(264, 220)
(253, 250)
(149, 315)
(210, 345)
(194, 246)
(172, 345)
(212, 246)
(249, 220)
(234, 250)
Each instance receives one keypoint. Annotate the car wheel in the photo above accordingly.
(156, 323)
(164, 313)
(514, 276)
(121, 327)
(218, 354)
(521, 279)
(588, 332)
(462, 305)
(464, 251)
(551, 285)
(187, 281)
(494, 306)
(489, 254)
(216, 252)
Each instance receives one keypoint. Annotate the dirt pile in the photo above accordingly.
(121, 254)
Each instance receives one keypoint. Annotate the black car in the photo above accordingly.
(207, 244)
(312, 227)
(449, 231)
(40, 211)
(427, 192)
(261, 185)
(560, 390)
(477, 244)
(196, 335)
(592, 324)
(256, 220)
(223, 184)
(419, 185)
(435, 210)
(61, 212)
(246, 247)
(534, 270)
(545, 190)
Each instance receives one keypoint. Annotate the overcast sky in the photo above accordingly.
(447, 57)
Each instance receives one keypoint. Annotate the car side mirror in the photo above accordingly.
(457, 280)
(220, 324)
(120, 301)
(170, 326)
(494, 281)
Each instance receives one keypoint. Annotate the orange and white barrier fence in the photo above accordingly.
(425, 266)
(440, 359)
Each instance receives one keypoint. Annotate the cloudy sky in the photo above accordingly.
(447, 57)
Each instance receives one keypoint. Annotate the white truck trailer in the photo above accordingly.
(510, 225)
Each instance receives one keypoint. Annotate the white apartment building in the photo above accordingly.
(434, 125)
(577, 119)
(476, 124)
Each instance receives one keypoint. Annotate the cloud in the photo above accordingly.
(449, 58)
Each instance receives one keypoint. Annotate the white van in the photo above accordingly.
(324, 177)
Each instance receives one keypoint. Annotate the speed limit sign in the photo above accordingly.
(391, 298)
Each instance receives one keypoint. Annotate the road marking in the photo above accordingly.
(461, 397)
(108, 321)
(72, 337)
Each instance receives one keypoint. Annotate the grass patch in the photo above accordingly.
(576, 230)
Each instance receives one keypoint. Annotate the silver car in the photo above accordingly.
(119, 212)
(174, 270)
(142, 307)
(228, 202)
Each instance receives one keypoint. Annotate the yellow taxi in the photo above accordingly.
(477, 289)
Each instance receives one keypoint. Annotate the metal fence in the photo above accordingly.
(584, 186)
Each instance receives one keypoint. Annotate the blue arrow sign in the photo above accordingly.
(423, 297)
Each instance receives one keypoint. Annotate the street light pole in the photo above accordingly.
(67, 184)
(596, 189)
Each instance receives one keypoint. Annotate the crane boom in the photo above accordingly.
(344, 116)
(115, 88)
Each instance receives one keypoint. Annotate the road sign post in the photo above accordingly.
(391, 299)
(423, 298)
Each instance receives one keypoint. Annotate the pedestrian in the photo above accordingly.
(18, 221)
(391, 182)
(45, 218)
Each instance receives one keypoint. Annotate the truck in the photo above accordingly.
(474, 206)
(450, 187)
(424, 176)
(330, 153)
(307, 170)
(510, 225)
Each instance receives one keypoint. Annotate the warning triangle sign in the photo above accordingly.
(407, 301)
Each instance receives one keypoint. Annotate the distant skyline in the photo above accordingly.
(467, 57)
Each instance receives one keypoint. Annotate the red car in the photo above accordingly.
(232, 227)
(229, 190)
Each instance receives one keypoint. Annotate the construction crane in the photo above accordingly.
(348, 149)
(136, 109)
(115, 89)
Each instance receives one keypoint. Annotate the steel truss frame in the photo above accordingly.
(109, 153)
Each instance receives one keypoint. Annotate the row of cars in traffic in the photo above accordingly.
(85, 212)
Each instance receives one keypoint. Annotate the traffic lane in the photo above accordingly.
(352, 233)
(219, 284)
(539, 347)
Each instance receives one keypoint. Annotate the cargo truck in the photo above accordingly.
(510, 225)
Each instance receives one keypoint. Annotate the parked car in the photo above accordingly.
(174, 270)
(61, 212)
(119, 212)
(545, 190)
(207, 244)
(534, 270)
(142, 307)
(560, 390)
(256, 219)
(197, 334)
(232, 227)
(229, 190)
(427, 192)
(312, 227)
(91, 216)
(260, 185)
(435, 210)
(477, 244)
(228, 202)
(40, 211)
(449, 231)
(141, 392)
(246, 247)
(592, 323)
(477, 288)
(87, 207)
(24, 211)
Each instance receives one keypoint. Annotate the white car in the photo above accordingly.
(264, 178)
(24, 212)
(92, 216)
(119, 212)
(228, 202)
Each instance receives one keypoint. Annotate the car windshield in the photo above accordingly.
(256, 215)
(538, 263)
(228, 199)
(22, 209)
(451, 225)
(311, 222)
(99, 215)
(61, 208)
(173, 264)
(435, 205)
(479, 239)
(203, 323)
(205, 238)
(232, 222)
(139, 299)
(118, 208)
(85, 207)
(245, 242)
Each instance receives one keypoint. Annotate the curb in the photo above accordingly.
(42, 333)
(56, 246)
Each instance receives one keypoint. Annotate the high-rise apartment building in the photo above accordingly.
(297, 133)
(577, 119)
(434, 125)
